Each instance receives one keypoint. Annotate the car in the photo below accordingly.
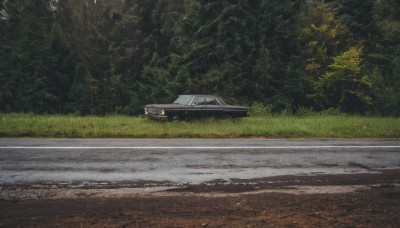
(195, 106)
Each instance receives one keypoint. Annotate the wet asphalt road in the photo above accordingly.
(66, 161)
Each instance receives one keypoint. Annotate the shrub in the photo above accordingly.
(305, 111)
(331, 112)
(258, 109)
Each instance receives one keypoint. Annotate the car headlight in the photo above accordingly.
(162, 112)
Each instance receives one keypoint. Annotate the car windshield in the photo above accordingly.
(183, 100)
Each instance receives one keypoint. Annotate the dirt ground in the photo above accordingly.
(353, 200)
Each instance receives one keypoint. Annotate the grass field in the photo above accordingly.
(281, 126)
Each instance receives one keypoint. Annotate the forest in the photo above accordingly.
(99, 57)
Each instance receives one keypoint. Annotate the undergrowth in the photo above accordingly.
(264, 126)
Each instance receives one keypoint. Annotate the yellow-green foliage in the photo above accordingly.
(281, 126)
(343, 86)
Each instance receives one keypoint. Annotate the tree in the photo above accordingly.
(382, 58)
(218, 42)
(142, 40)
(344, 86)
(35, 61)
(358, 15)
(323, 36)
(386, 99)
(88, 25)
(242, 49)
(114, 56)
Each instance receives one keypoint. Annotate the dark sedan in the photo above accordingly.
(195, 106)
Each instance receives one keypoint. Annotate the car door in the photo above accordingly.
(214, 108)
(199, 109)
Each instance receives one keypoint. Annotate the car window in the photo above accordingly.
(221, 101)
(211, 101)
(183, 100)
(201, 101)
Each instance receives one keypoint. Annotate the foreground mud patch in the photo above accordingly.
(376, 207)
(357, 200)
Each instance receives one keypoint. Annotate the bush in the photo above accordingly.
(305, 111)
(258, 109)
(331, 112)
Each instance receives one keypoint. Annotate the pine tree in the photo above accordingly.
(33, 81)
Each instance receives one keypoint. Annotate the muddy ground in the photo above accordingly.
(351, 200)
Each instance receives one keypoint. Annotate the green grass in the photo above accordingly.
(313, 126)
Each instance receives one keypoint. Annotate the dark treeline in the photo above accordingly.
(114, 56)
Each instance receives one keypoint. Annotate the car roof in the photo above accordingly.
(207, 95)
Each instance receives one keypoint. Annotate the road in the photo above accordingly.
(199, 183)
(98, 162)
